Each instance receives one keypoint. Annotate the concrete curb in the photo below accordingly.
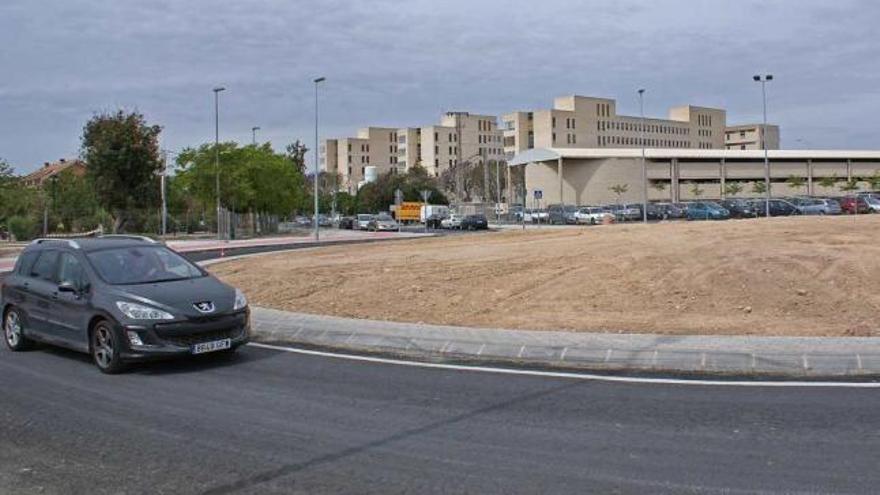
(804, 357)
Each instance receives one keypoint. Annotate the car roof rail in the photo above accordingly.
(131, 237)
(70, 242)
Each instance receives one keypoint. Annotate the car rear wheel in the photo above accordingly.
(105, 348)
(13, 330)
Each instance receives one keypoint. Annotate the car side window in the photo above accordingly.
(71, 271)
(44, 267)
(26, 262)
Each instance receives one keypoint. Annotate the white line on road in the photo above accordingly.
(578, 376)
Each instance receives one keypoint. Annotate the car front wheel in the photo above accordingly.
(13, 330)
(105, 348)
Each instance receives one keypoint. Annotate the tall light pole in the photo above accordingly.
(317, 227)
(644, 162)
(764, 80)
(254, 134)
(217, 91)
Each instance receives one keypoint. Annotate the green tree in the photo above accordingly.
(379, 195)
(874, 181)
(796, 182)
(20, 207)
(732, 188)
(828, 182)
(619, 190)
(696, 190)
(850, 185)
(75, 204)
(121, 152)
(296, 154)
(252, 178)
(658, 185)
(759, 187)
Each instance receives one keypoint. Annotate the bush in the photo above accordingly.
(23, 228)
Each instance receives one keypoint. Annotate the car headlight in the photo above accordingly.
(140, 312)
(240, 300)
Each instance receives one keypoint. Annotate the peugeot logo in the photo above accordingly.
(204, 306)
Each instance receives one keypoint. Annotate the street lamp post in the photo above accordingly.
(644, 162)
(217, 91)
(764, 80)
(254, 134)
(317, 227)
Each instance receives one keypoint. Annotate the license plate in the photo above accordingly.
(216, 345)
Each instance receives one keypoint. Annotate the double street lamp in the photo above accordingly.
(764, 80)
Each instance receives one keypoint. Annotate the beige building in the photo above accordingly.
(349, 157)
(751, 137)
(588, 122)
(460, 137)
(586, 176)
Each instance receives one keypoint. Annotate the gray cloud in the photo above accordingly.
(404, 62)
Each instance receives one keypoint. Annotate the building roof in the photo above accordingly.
(49, 169)
(552, 154)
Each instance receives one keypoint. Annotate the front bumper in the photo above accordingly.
(161, 340)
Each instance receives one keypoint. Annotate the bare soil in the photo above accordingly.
(810, 276)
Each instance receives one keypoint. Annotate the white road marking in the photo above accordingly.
(577, 376)
(859, 361)
(521, 350)
(482, 347)
(608, 355)
(562, 356)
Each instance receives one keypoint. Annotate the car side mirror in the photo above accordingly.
(67, 287)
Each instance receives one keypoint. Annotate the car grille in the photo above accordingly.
(198, 338)
(203, 329)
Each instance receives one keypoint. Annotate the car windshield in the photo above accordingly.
(384, 217)
(571, 209)
(142, 265)
(365, 217)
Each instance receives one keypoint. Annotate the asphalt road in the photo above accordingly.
(266, 421)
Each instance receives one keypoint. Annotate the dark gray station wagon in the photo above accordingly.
(120, 299)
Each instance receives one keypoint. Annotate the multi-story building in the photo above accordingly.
(587, 122)
(349, 157)
(751, 137)
(460, 137)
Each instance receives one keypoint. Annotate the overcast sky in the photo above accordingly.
(401, 63)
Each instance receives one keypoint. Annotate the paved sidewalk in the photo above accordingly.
(785, 356)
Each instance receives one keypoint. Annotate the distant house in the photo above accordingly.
(49, 170)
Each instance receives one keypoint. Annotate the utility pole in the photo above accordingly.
(254, 134)
(644, 162)
(317, 227)
(764, 80)
(217, 91)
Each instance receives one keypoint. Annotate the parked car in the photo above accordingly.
(832, 206)
(434, 221)
(562, 214)
(706, 210)
(382, 222)
(740, 208)
(593, 215)
(779, 208)
(671, 211)
(810, 206)
(453, 221)
(625, 213)
(474, 222)
(325, 221)
(540, 215)
(363, 221)
(120, 299)
(303, 221)
(873, 203)
(347, 223)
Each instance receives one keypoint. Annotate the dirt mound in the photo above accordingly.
(783, 276)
